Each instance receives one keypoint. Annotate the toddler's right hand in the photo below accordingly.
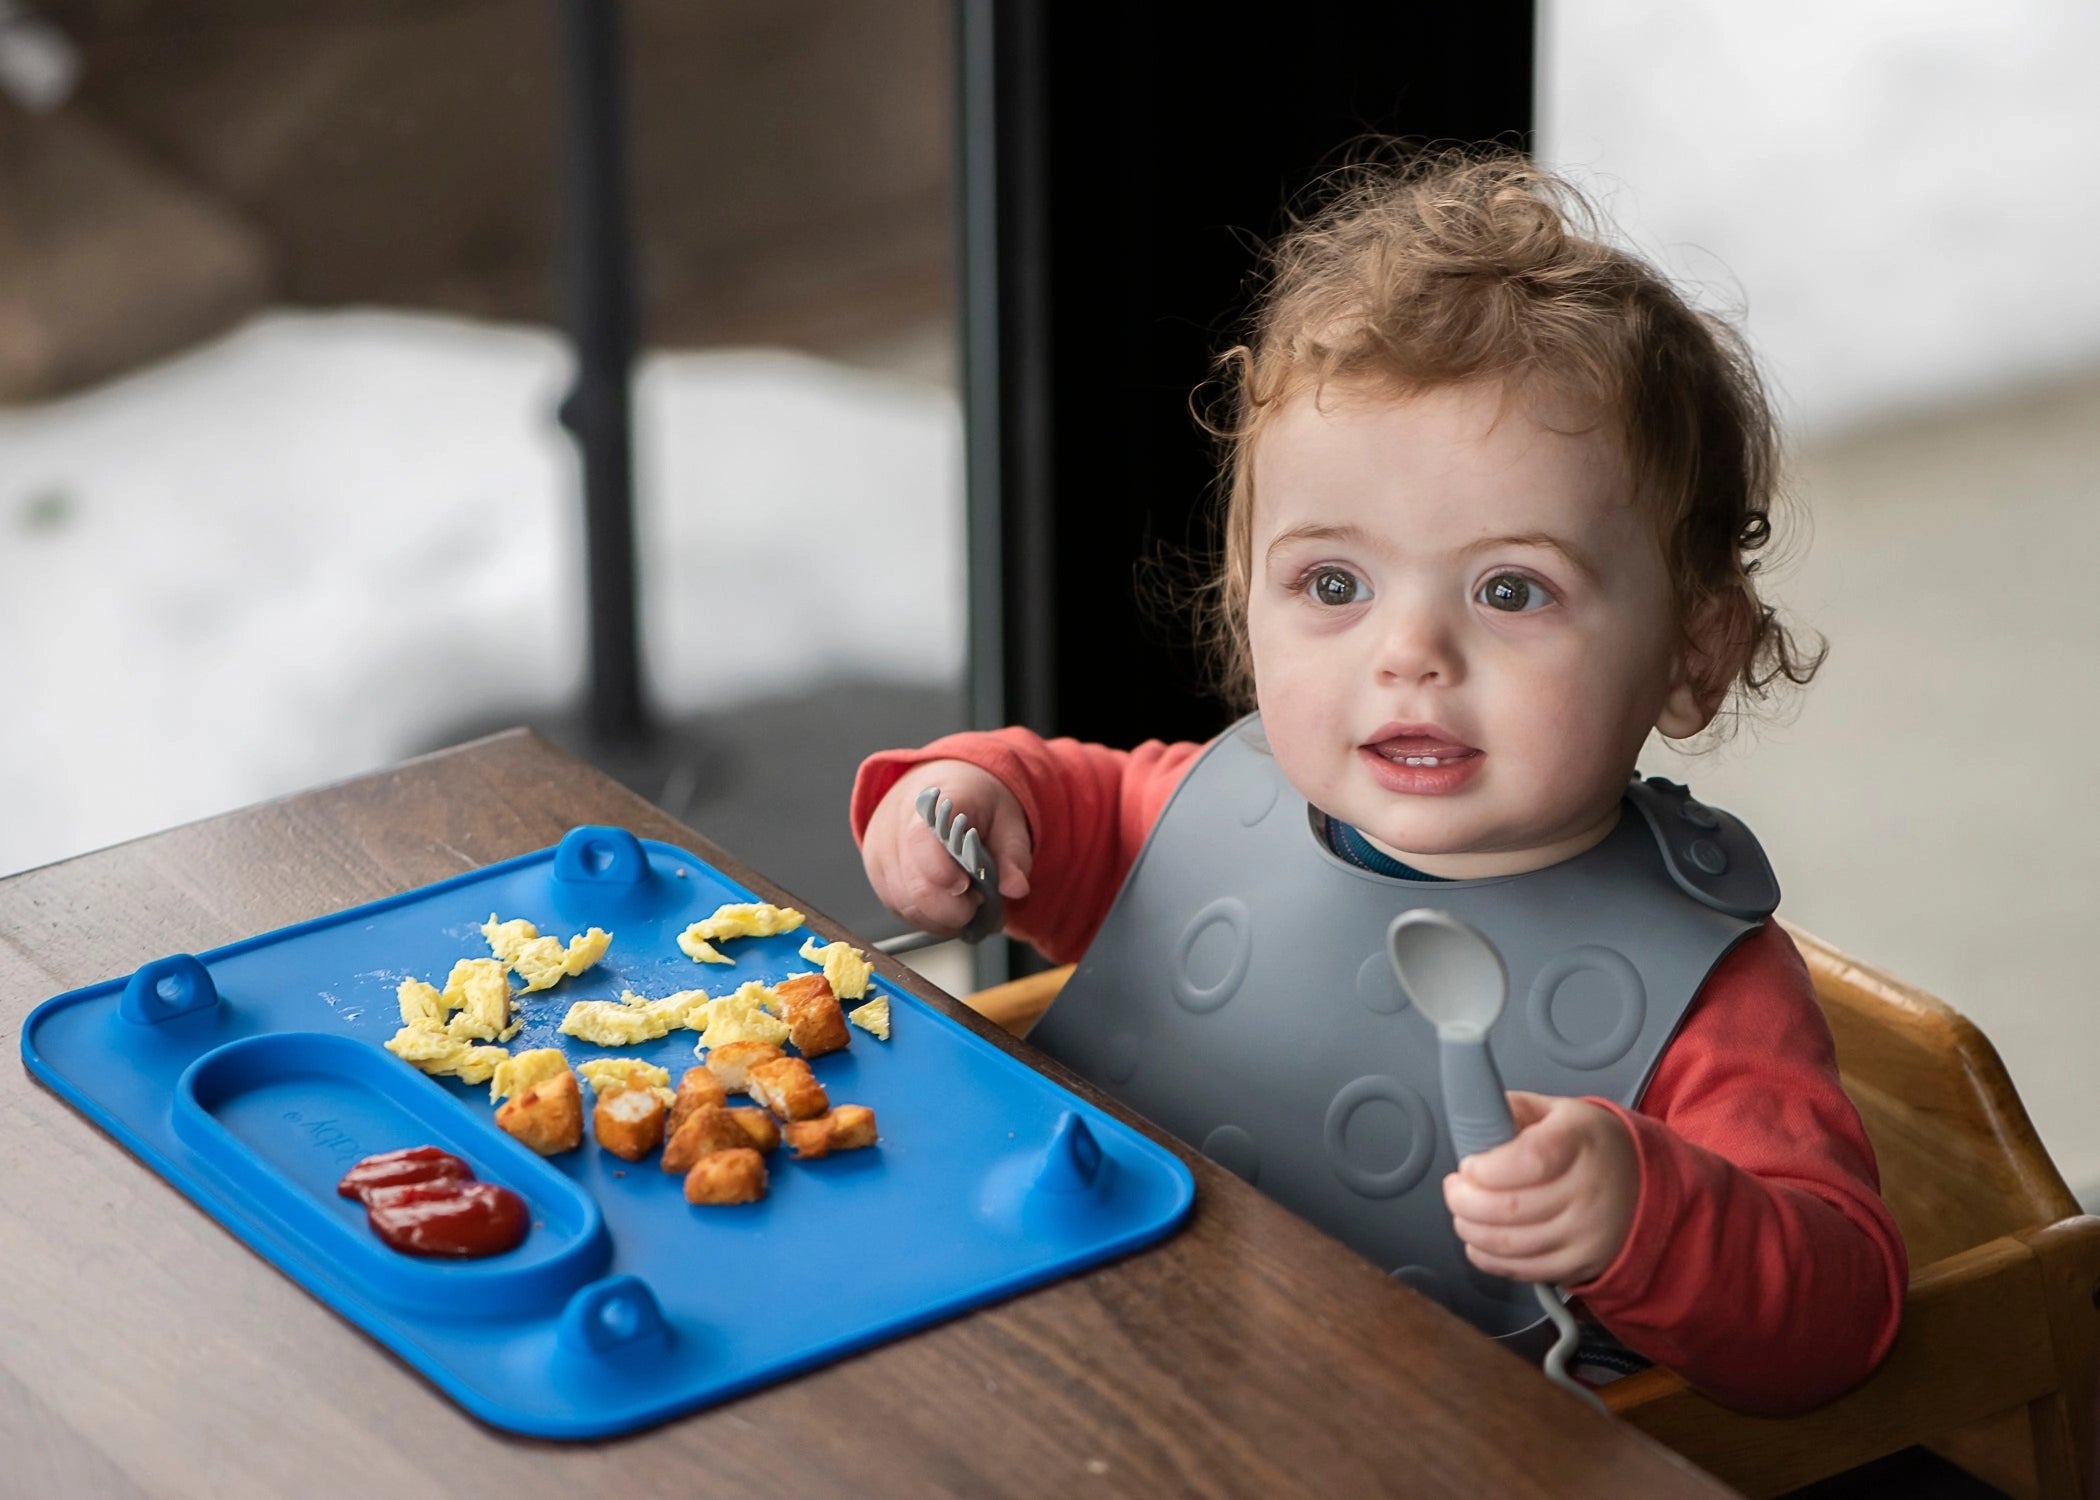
(913, 875)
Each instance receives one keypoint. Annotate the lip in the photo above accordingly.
(1421, 739)
(1462, 762)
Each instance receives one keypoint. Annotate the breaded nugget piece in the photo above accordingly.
(789, 1089)
(725, 1177)
(760, 1126)
(696, 1087)
(733, 1063)
(852, 1127)
(847, 1128)
(548, 1116)
(629, 1122)
(708, 1128)
(815, 1022)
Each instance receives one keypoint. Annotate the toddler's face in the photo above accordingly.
(1460, 623)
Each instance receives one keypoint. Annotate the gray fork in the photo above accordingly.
(967, 849)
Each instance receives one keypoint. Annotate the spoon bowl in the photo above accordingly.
(1454, 975)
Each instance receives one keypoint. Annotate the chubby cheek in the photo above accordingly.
(1569, 735)
(1295, 720)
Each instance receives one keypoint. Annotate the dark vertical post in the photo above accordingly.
(1004, 173)
(598, 289)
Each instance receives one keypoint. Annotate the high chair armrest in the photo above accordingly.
(2004, 1326)
(1019, 1003)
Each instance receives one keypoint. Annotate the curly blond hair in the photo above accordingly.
(1439, 269)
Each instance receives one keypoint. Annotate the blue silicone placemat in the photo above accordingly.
(252, 1075)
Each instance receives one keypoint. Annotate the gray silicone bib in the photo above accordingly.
(1239, 995)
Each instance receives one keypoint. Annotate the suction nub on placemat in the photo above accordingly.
(1073, 1163)
(177, 985)
(603, 874)
(616, 1316)
(1066, 1188)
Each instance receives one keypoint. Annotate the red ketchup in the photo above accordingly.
(424, 1201)
(389, 1168)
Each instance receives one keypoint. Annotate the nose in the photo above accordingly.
(1418, 643)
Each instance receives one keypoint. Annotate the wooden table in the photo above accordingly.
(144, 1350)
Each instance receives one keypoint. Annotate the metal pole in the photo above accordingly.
(597, 285)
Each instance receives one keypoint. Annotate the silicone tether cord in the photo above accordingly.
(1556, 1362)
(1477, 1114)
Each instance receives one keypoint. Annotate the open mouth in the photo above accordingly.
(1420, 758)
(1418, 746)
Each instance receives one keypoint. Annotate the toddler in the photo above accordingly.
(1491, 494)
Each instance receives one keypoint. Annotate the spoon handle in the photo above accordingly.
(1474, 1103)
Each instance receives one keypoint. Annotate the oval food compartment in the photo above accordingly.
(281, 1117)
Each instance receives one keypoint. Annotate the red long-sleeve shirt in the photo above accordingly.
(1761, 1265)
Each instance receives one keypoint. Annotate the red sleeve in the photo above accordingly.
(1088, 807)
(1762, 1265)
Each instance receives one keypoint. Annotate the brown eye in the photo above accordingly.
(1335, 586)
(1513, 593)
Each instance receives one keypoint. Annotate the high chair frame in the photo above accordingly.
(1994, 1367)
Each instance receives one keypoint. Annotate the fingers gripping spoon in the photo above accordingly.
(1457, 979)
(966, 847)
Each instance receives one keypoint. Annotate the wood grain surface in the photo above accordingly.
(144, 1350)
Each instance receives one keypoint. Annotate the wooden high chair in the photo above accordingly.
(1994, 1368)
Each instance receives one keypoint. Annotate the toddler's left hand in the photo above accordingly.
(1555, 1204)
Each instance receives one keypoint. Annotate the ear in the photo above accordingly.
(1712, 654)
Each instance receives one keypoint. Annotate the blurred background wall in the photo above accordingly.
(789, 162)
(282, 494)
(281, 498)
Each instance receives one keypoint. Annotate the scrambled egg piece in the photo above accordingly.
(479, 989)
(430, 1043)
(614, 1075)
(746, 1016)
(843, 964)
(506, 938)
(525, 1070)
(543, 962)
(751, 992)
(873, 1018)
(422, 1007)
(738, 919)
(436, 1053)
(608, 1075)
(631, 1020)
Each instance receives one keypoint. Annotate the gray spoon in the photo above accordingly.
(1456, 978)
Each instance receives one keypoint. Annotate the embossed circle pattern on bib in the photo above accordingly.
(1212, 955)
(1380, 1135)
(1421, 1279)
(1120, 1057)
(1379, 987)
(1586, 1007)
(1255, 800)
(1234, 1150)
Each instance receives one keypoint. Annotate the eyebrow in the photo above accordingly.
(1313, 532)
(1566, 550)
